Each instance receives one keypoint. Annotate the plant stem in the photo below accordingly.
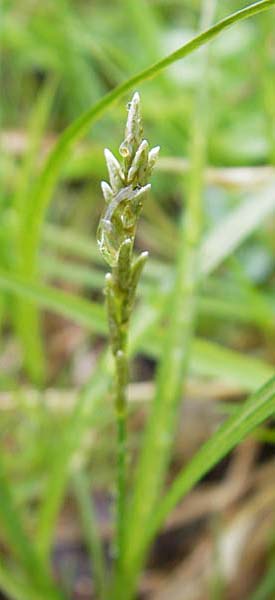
(116, 236)
(121, 480)
(118, 325)
(172, 370)
(266, 43)
(118, 293)
(91, 532)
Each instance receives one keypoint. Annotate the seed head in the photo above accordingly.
(128, 183)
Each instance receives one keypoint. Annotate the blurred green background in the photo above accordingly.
(58, 57)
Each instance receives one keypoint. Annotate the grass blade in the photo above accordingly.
(235, 227)
(88, 314)
(207, 358)
(17, 589)
(88, 402)
(19, 542)
(25, 316)
(259, 407)
(91, 533)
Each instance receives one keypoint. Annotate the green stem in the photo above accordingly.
(91, 532)
(120, 292)
(174, 364)
(121, 480)
(118, 308)
(121, 367)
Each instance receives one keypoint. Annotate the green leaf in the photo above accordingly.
(259, 407)
(25, 317)
(86, 406)
(235, 227)
(15, 588)
(207, 358)
(88, 314)
(19, 542)
(90, 531)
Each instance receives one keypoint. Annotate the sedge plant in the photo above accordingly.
(124, 195)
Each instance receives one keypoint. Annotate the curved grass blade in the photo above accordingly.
(259, 407)
(86, 313)
(55, 161)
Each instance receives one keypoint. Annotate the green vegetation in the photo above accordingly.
(197, 314)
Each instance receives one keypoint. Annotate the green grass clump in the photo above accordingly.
(200, 308)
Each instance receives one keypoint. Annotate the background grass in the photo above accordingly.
(208, 225)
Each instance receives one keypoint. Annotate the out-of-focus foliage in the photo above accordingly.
(58, 57)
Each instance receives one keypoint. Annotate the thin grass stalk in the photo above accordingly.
(156, 447)
(118, 328)
(91, 533)
(124, 194)
(266, 43)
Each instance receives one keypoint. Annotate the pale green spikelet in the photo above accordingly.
(128, 183)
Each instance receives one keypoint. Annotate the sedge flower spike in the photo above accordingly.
(124, 196)
(128, 184)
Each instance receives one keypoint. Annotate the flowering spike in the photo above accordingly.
(128, 185)
(139, 165)
(107, 191)
(152, 158)
(133, 131)
(116, 236)
(114, 170)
